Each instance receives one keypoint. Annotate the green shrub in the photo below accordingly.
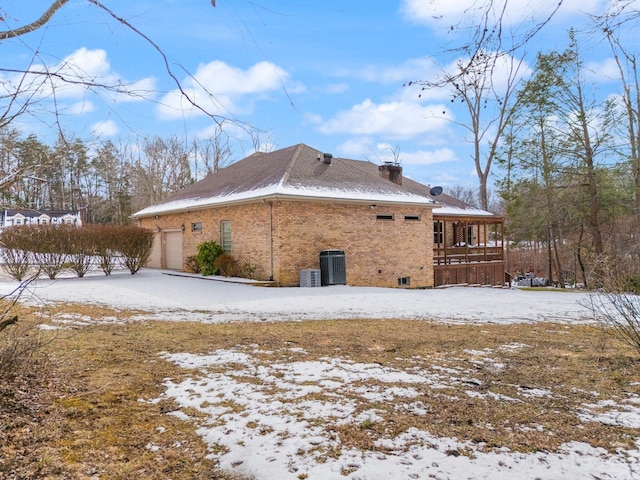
(226, 265)
(206, 255)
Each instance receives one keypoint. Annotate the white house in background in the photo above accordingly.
(17, 216)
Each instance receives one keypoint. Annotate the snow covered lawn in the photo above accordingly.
(284, 411)
(210, 299)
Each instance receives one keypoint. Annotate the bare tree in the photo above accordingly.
(162, 168)
(484, 77)
(385, 153)
(211, 154)
(610, 24)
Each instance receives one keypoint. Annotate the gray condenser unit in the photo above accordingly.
(309, 278)
(333, 269)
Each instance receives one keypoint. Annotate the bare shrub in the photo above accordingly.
(17, 260)
(81, 249)
(617, 307)
(50, 247)
(191, 265)
(135, 244)
(106, 240)
(620, 312)
(226, 264)
(19, 342)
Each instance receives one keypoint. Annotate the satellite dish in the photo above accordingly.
(435, 191)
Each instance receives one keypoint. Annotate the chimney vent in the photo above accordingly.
(391, 171)
(327, 158)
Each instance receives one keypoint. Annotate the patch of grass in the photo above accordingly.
(492, 393)
(97, 422)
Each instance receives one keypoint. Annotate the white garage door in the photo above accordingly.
(173, 250)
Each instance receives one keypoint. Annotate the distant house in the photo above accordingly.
(16, 216)
(279, 212)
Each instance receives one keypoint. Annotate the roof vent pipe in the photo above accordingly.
(327, 158)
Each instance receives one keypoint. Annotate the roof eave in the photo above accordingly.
(282, 196)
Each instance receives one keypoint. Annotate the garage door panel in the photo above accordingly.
(173, 250)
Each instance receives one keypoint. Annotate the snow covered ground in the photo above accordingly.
(274, 432)
(216, 299)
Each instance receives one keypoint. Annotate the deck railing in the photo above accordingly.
(455, 255)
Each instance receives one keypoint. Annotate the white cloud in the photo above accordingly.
(80, 108)
(411, 70)
(429, 157)
(444, 14)
(604, 70)
(140, 90)
(81, 67)
(107, 128)
(355, 148)
(365, 147)
(219, 88)
(70, 79)
(336, 88)
(393, 120)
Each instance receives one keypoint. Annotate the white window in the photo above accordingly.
(225, 235)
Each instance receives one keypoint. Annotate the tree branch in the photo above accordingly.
(9, 321)
(44, 18)
(162, 54)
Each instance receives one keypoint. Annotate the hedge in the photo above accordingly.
(52, 248)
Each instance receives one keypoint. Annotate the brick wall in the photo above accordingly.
(250, 233)
(377, 252)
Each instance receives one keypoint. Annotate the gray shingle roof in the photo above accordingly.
(298, 171)
(449, 205)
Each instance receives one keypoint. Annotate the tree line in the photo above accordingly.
(565, 139)
(105, 181)
(571, 170)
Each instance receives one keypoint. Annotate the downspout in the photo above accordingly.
(271, 239)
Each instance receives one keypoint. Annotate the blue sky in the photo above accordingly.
(330, 73)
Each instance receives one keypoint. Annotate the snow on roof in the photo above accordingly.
(282, 191)
(447, 204)
(471, 211)
(296, 172)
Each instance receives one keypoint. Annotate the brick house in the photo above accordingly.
(276, 212)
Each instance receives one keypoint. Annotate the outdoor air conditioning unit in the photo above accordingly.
(310, 278)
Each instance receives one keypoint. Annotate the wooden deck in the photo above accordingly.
(457, 262)
(479, 273)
